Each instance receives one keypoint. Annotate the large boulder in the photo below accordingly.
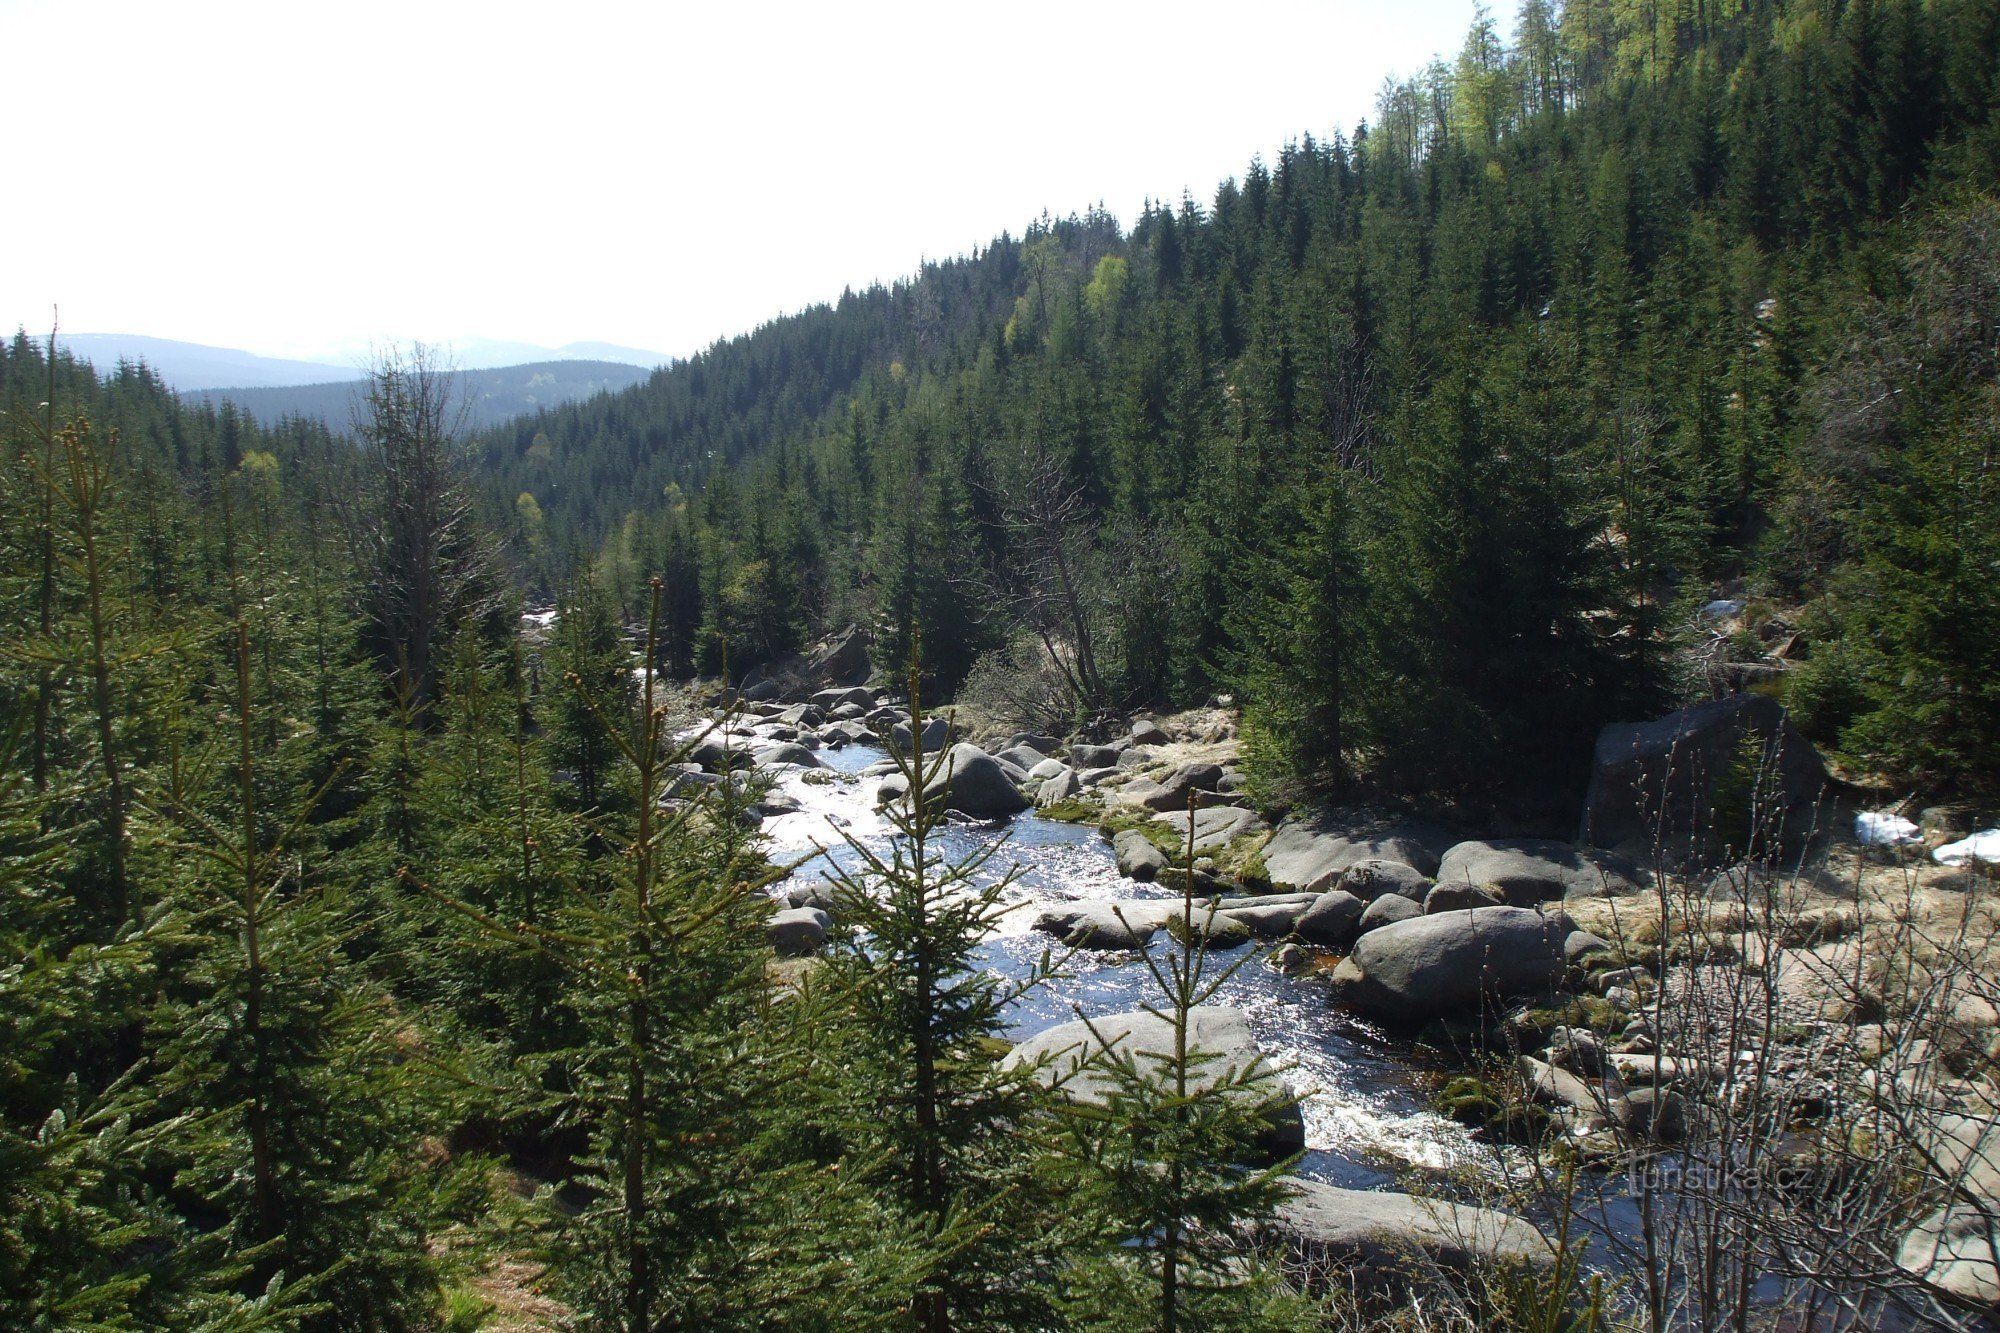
(936, 732)
(1313, 853)
(1048, 768)
(1216, 826)
(1172, 791)
(1388, 910)
(1953, 1250)
(803, 715)
(1526, 871)
(718, 756)
(1681, 776)
(1441, 964)
(797, 930)
(972, 782)
(1066, 1057)
(1266, 921)
(1094, 756)
(845, 697)
(846, 733)
(1372, 1237)
(1457, 896)
(1139, 857)
(1370, 879)
(1119, 924)
(1055, 790)
(789, 752)
(1333, 921)
(842, 660)
(1021, 757)
(1147, 732)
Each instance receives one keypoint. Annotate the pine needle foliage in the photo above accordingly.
(955, 1137)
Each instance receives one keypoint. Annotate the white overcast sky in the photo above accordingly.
(306, 179)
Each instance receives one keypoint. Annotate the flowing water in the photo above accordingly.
(1363, 1093)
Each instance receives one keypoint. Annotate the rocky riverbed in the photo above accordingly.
(1435, 1001)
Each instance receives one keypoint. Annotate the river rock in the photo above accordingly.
(1656, 1113)
(1526, 871)
(1093, 756)
(851, 713)
(1657, 781)
(774, 803)
(1091, 777)
(1217, 826)
(1590, 1098)
(1015, 773)
(1387, 910)
(1021, 757)
(1439, 964)
(797, 930)
(1115, 925)
(1147, 732)
(803, 715)
(1953, 1250)
(972, 782)
(1055, 790)
(1240, 902)
(1214, 929)
(1310, 854)
(1139, 857)
(847, 733)
(1372, 1237)
(841, 660)
(1045, 746)
(1580, 944)
(844, 698)
(1267, 921)
(820, 893)
(1048, 768)
(1063, 1056)
(1289, 960)
(1171, 793)
(1333, 921)
(936, 732)
(789, 752)
(1370, 879)
(1449, 897)
(716, 756)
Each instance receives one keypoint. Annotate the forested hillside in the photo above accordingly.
(1426, 443)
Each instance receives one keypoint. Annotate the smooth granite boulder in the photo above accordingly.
(1139, 857)
(1310, 854)
(1371, 1237)
(1526, 871)
(1064, 1057)
(1448, 963)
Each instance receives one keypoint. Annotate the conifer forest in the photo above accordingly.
(1414, 744)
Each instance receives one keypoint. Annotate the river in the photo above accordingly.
(1363, 1093)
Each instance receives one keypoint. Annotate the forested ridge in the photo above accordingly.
(1425, 443)
(369, 959)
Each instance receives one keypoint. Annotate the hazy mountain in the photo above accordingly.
(186, 366)
(492, 353)
(494, 395)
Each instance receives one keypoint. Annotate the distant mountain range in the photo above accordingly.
(186, 366)
(491, 395)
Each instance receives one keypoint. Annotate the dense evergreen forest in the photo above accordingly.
(352, 943)
(1425, 444)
